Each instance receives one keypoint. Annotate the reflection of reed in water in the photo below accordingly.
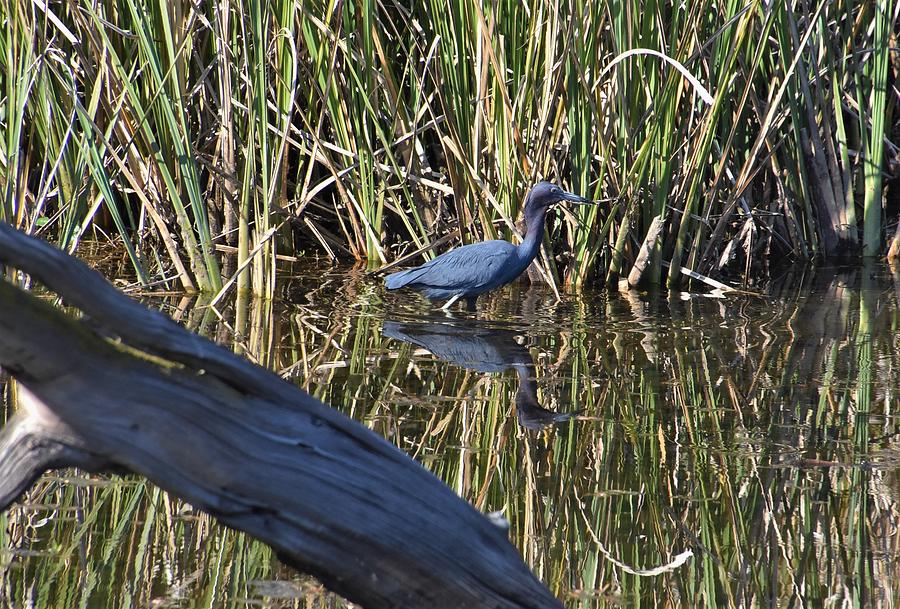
(482, 349)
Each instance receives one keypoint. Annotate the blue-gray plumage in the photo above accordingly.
(471, 270)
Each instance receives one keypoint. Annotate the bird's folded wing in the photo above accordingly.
(473, 266)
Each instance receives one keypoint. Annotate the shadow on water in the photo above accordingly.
(759, 432)
(472, 344)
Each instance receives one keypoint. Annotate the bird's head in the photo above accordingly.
(545, 195)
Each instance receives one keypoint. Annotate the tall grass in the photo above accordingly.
(211, 137)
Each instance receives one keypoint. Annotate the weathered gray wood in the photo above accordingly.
(643, 259)
(331, 497)
(32, 442)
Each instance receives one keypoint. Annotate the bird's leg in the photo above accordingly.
(450, 302)
(470, 303)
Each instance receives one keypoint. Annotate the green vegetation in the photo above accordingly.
(213, 137)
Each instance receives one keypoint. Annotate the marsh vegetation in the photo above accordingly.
(375, 130)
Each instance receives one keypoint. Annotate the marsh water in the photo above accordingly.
(670, 450)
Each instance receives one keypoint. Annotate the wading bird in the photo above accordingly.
(471, 270)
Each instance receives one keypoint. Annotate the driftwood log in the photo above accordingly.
(128, 388)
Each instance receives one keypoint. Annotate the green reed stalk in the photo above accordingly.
(877, 75)
(18, 60)
(701, 154)
(65, 167)
(255, 210)
(103, 182)
(167, 94)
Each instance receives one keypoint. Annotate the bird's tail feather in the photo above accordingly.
(396, 280)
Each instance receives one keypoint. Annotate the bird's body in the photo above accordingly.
(475, 269)
(469, 271)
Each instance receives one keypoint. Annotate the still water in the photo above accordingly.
(648, 450)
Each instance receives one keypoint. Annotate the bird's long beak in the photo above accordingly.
(571, 198)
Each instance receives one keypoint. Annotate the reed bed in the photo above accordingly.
(211, 138)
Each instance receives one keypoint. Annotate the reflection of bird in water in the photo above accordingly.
(482, 349)
(529, 413)
(471, 270)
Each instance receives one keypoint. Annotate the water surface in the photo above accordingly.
(615, 432)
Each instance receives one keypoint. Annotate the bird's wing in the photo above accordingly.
(471, 266)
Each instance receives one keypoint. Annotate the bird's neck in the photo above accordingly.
(534, 234)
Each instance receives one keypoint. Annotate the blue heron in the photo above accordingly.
(471, 270)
